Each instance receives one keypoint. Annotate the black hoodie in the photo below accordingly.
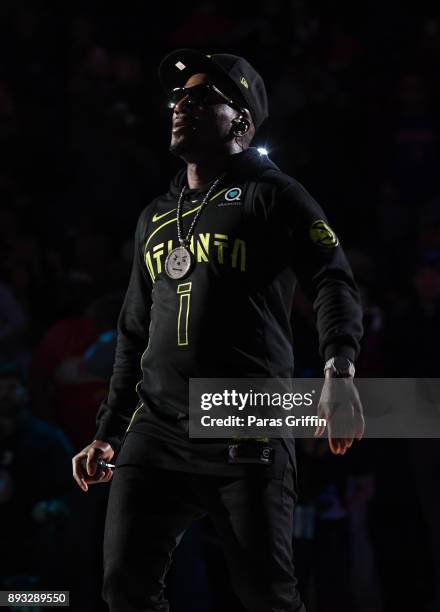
(258, 234)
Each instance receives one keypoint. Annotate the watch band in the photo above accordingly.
(341, 366)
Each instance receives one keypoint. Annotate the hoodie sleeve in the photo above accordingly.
(132, 339)
(323, 273)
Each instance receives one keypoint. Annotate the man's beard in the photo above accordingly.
(192, 141)
(179, 147)
(183, 147)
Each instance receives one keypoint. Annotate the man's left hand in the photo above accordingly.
(341, 406)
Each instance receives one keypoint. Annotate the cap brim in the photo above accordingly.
(178, 66)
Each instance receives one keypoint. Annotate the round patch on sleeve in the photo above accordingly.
(322, 234)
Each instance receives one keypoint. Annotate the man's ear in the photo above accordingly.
(242, 124)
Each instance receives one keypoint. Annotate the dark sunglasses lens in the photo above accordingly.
(175, 96)
(199, 94)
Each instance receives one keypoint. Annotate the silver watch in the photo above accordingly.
(340, 366)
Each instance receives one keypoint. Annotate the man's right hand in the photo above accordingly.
(94, 451)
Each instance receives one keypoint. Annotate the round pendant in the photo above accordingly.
(178, 262)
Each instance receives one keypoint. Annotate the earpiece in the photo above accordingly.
(240, 125)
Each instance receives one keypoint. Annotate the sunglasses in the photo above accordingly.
(200, 95)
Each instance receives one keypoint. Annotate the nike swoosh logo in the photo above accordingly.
(157, 217)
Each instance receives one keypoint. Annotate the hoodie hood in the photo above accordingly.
(248, 165)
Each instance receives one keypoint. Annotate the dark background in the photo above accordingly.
(84, 132)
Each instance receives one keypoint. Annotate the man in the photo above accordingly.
(215, 265)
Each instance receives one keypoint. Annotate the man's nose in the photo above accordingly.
(182, 105)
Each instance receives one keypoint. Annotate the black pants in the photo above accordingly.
(149, 510)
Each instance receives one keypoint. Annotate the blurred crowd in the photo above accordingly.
(84, 131)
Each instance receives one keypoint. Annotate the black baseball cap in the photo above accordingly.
(246, 85)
